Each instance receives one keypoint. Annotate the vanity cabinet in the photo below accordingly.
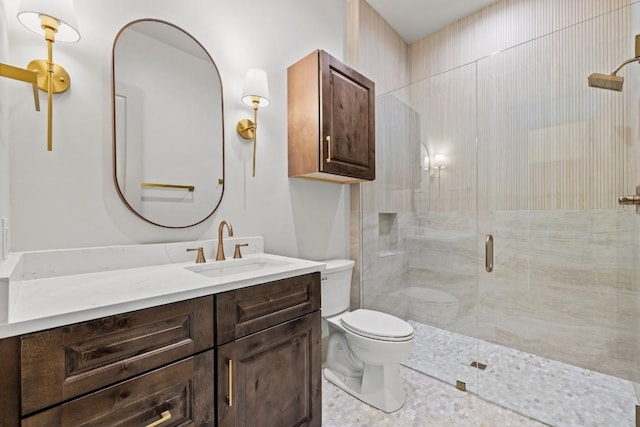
(269, 358)
(331, 121)
(247, 357)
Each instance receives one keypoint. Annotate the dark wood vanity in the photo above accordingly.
(247, 357)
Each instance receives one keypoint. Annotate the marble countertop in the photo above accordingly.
(37, 301)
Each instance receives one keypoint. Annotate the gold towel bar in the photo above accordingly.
(191, 188)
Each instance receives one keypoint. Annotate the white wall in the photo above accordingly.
(66, 198)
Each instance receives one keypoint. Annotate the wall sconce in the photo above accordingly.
(50, 18)
(439, 161)
(255, 92)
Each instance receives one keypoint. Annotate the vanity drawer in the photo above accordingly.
(249, 310)
(62, 363)
(182, 391)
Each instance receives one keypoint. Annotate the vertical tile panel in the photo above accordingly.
(383, 57)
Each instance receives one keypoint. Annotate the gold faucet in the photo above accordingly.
(237, 254)
(200, 257)
(220, 252)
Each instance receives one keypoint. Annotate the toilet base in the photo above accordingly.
(379, 386)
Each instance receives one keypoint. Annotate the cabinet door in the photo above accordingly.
(272, 378)
(180, 394)
(348, 120)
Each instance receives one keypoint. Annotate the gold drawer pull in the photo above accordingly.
(328, 148)
(230, 397)
(166, 416)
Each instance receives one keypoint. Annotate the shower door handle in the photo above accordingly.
(631, 199)
(488, 253)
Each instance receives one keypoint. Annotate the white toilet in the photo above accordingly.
(365, 347)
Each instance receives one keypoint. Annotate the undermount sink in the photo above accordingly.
(236, 266)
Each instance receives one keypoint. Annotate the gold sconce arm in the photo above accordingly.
(247, 129)
(52, 78)
(23, 76)
(50, 19)
(256, 93)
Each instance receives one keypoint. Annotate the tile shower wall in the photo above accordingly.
(553, 156)
(561, 288)
(497, 27)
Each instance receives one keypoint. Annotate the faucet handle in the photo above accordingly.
(200, 257)
(237, 253)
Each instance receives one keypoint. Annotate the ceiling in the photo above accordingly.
(414, 19)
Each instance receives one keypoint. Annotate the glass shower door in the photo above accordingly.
(554, 155)
(518, 147)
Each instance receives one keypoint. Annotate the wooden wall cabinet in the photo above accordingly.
(158, 365)
(331, 121)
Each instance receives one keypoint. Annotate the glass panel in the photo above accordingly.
(554, 155)
(419, 221)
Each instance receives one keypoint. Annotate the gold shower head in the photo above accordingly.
(613, 81)
(606, 81)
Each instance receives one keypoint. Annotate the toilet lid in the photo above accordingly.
(377, 325)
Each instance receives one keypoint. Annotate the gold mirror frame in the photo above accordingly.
(170, 195)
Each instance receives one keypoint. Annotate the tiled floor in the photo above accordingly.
(540, 389)
(430, 403)
(546, 390)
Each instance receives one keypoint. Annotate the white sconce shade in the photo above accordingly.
(29, 12)
(425, 165)
(439, 161)
(255, 86)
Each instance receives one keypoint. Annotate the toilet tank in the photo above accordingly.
(336, 286)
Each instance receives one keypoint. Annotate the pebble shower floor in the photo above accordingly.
(536, 391)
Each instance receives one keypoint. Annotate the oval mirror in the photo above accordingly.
(168, 136)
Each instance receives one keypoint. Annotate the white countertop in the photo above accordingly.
(44, 302)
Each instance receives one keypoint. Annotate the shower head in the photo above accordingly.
(606, 81)
(613, 81)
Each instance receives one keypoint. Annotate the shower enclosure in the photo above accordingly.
(517, 149)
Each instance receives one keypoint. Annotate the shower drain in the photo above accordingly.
(479, 365)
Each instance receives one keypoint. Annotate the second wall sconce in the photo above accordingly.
(255, 92)
(439, 162)
(55, 20)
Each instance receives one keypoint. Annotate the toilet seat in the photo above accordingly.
(377, 325)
